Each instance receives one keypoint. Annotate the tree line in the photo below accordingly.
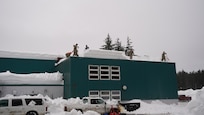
(117, 46)
(191, 80)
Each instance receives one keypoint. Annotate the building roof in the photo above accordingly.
(105, 54)
(23, 55)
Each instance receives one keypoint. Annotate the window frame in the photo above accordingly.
(92, 74)
(104, 70)
(105, 95)
(119, 94)
(94, 95)
(113, 70)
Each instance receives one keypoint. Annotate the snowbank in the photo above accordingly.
(194, 107)
(34, 78)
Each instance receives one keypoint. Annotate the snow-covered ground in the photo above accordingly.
(194, 107)
(56, 106)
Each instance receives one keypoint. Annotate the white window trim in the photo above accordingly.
(116, 94)
(93, 74)
(102, 95)
(115, 71)
(93, 95)
(107, 70)
(110, 96)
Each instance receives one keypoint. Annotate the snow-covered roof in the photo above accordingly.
(105, 54)
(110, 54)
(8, 54)
(33, 78)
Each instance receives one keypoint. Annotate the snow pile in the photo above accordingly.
(194, 107)
(23, 55)
(34, 78)
(158, 108)
(56, 106)
(105, 54)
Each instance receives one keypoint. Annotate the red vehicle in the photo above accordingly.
(184, 98)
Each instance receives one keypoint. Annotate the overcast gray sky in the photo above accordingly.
(154, 26)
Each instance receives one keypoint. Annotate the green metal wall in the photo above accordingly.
(144, 80)
(65, 68)
(26, 65)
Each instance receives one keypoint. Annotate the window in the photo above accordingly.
(97, 101)
(115, 94)
(104, 73)
(4, 103)
(105, 94)
(17, 102)
(115, 73)
(93, 93)
(93, 72)
(34, 101)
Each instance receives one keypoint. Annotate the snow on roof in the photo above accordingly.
(105, 54)
(8, 54)
(34, 78)
(110, 54)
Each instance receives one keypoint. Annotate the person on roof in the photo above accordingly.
(75, 50)
(164, 57)
(131, 53)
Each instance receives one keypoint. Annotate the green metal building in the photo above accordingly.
(20, 65)
(23, 65)
(118, 79)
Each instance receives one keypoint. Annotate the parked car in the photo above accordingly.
(184, 98)
(99, 105)
(19, 105)
(92, 103)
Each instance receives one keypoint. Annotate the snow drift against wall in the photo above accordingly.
(34, 78)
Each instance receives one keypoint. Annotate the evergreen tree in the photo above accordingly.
(108, 44)
(118, 46)
(128, 47)
(191, 80)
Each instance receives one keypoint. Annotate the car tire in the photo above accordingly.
(32, 113)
